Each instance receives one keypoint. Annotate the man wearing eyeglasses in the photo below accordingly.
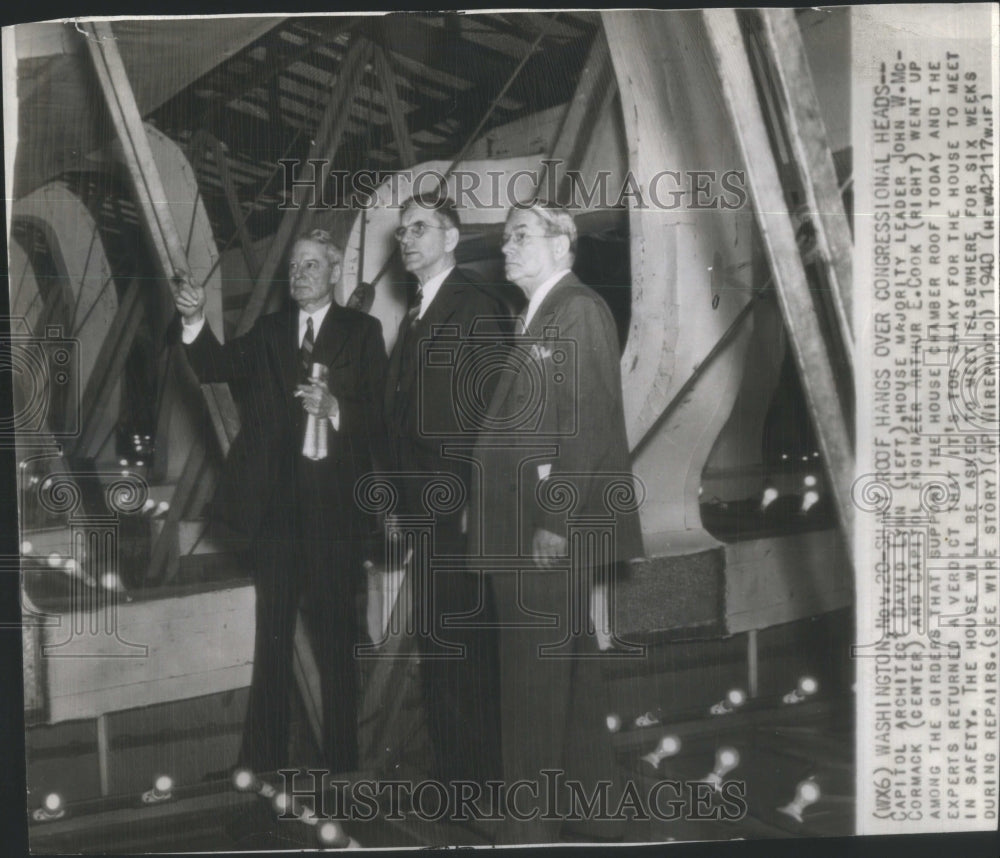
(556, 444)
(425, 412)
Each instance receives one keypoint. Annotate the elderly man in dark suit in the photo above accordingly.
(308, 538)
(426, 411)
(555, 477)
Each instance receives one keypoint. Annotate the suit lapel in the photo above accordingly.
(332, 336)
(329, 340)
(549, 306)
(288, 349)
(446, 301)
(442, 308)
(542, 318)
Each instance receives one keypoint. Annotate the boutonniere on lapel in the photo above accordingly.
(540, 352)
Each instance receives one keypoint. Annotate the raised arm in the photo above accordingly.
(210, 360)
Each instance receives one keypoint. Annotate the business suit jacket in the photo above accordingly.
(557, 420)
(259, 475)
(557, 409)
(424, 407)
(307, 534)
(428, 407)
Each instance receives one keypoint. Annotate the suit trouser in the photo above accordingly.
(299, 564)
(554, 709)
(461, 692)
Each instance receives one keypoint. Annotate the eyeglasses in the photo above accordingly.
(308, 266)
(520, 236)
(417, 230)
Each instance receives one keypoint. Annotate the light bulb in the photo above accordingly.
(808, 792)
(727, 758)
(330, 834)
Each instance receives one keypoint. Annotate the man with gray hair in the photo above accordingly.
(424, 408)
(553, 452)
(308, 538)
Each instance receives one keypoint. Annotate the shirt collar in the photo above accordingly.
(430, 289)
(541, 293)
(317, 316)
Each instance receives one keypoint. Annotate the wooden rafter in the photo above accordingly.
(592, 98)
(202, 141)
(397, 116)
(107, 369)
(527, 25)
(436, 39)
(212, 112)
(813, 159)
(495, 103)
(805, 334)
(193, 475)
(150, 195)
(171, 258)
(331, 130)
(145, 176)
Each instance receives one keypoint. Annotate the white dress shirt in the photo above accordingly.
(541, 293)
(189, 333)
(429, 289)
(318, 316)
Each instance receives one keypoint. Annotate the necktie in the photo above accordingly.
(306, 351)
(406, 346)
(414, 311)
